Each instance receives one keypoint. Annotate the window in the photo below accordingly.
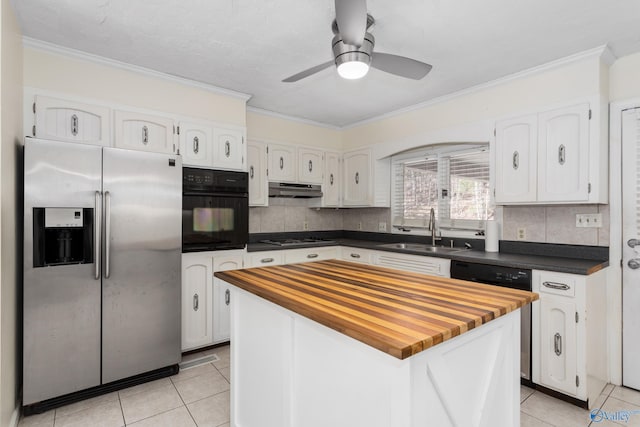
(451, 179)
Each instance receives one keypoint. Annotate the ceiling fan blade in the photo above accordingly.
(307, 73)
(351, 16)
(400, 65)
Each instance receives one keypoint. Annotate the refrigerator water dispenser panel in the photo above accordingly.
(62, 236)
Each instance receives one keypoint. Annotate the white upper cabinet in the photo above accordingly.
(283, 164)
(310, 165)
(516, 142)
(69, 121)
(257, 168)
(357, 178)
(552, 157)
(196, 144)
(229, 149)
(137, 131)
(563, 154)
(332, 184)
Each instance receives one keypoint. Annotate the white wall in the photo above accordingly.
(267, 127)
(10, 267)
(76, 76)
(624, 78)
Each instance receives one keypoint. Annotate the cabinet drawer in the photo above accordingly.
(356, 255)
(265, 259)
(557, 284)
(310, 254)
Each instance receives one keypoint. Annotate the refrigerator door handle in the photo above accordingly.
(107, 233)
(96, 234)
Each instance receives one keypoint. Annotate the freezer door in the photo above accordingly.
(141, 262)
(61, 303)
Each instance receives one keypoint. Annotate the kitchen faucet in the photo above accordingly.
(432, 226)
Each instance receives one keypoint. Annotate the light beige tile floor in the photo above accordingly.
(199, 397)
(195, 397)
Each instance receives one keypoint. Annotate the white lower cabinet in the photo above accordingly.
(197, 300)
(222, 295)
(569, 346)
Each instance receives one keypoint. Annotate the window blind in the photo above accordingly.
(454, 182)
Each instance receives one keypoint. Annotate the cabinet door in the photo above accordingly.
(222, 297)
(143, 132)
(61, 120)
(332, 182)
(516, 141)
(558, 363)
(563, 154)
(230, 150)
(357, 179)
(197, 300)
(196, 144)
(258, 180)
(282, 163)
(310, 166)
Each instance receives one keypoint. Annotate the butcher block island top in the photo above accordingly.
(400, 313)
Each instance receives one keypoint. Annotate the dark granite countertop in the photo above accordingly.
(573, 259)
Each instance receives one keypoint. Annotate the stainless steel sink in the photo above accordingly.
(419, 247)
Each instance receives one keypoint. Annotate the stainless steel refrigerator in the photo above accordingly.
(102, 239)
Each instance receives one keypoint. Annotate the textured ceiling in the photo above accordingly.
(251, 45)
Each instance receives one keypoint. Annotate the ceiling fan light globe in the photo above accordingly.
(353, 70)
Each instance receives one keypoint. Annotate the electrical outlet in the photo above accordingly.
(359, 225)
(382, 226)
(305, 225)
(589, 220)
(521, 233)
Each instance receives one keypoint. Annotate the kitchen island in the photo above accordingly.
(343, 344)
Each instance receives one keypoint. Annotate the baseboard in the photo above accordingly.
(15, 417)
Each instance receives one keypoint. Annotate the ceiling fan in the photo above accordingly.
(353, 48)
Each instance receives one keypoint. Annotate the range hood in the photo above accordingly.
(302, 191)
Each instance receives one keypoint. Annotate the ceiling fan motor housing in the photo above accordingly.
(346, 53)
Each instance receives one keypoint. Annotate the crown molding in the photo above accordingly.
(77, 54)
(603, 52)
(270, 113)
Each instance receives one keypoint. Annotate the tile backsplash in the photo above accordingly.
(545, 224)
(555, 224)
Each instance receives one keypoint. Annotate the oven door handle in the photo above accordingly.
(230, 195)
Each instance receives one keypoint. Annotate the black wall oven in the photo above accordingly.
(215, 210)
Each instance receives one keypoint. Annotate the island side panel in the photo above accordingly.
(290, 371)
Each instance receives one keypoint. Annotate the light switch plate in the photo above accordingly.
(589, 220)
(521, 233)
(382, 226)
(305, 225)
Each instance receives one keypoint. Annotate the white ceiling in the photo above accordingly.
(251, 45)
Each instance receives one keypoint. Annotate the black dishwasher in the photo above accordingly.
(509, 277)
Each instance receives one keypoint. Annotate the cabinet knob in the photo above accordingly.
(227, 148)
(562, 154)
(251, 172)
(196, 302)
(310, 166)
(633, 243)
(145, 135)
(227, 297)
(266, 260)
(312, 256)
(557, 344)
(196, 145)
(355, 255)
(555, 285)
(281, 163)
(357, 178)
(331, 179)
(516, 160)
(74, 125)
